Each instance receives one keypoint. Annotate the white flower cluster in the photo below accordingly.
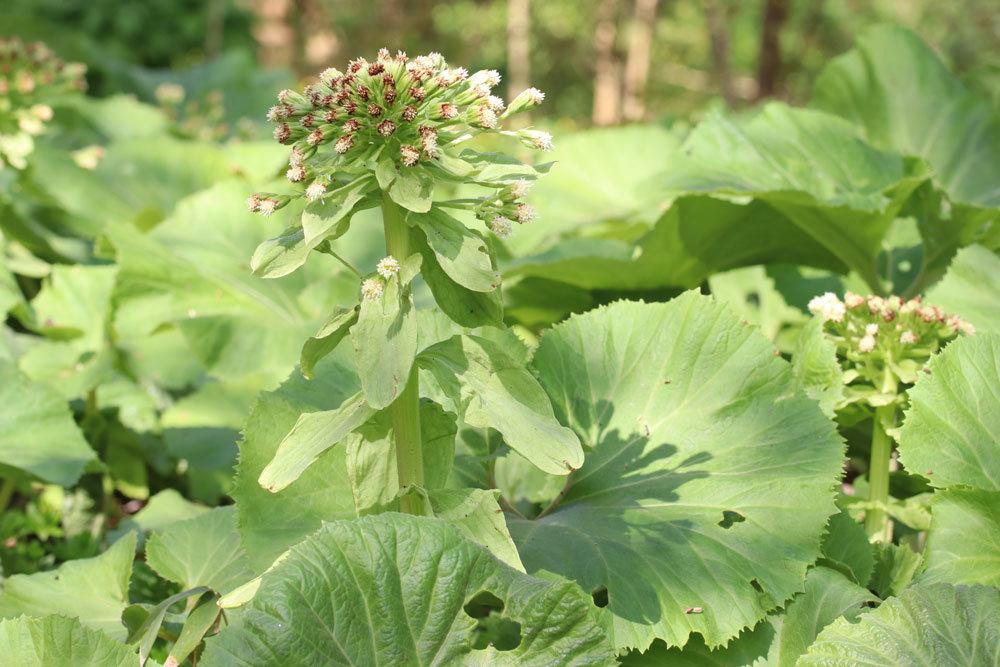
(906, 323)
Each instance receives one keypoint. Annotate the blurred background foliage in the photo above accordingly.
(600, 61)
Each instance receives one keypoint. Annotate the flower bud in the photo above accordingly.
(828, 307)
(42, 112)
(344, 144)
(536, 139)
(372, 288)
(524, 213)
(528, 99)
(387, 267)
(520, 188)
(409, 155)
(386, 127)
(330, 76)
(500, 226)
(315, 190)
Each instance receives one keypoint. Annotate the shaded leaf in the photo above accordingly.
(460, 252)
(325, 341)
(847, 547)
(971, 288)
(313, 434)
(385, 339)
(269, 523)
(895, 566)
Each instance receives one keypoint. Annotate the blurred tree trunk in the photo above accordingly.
(607, 72)
(769, 69)
(273, 33)
(640, 50)
(518, 46)
(718, 32)
(215, 25)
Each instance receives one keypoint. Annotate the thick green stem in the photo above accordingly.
(405, 410)
(877, 522)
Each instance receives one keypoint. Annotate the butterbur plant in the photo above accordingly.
(883, 345)
(390, 133)
(31, 75)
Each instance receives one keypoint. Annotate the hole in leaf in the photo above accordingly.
(753, 298)
(600, 596)
(756, 586)
(730, 517)
(492, 628)
(482, 603)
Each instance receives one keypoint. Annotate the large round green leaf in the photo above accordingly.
(895, 87)
(601, 175)
(37, 431)
(706, 485)
(951, 433)
(57, 641)
(963, 544)
(201, 551)
(812, 168)
(95, 590)
(392, 590)
(782, 637)
(935, 624)
(971, 288)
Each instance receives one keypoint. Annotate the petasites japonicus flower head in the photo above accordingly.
(883, 343)
(401, 119)
(31, 77)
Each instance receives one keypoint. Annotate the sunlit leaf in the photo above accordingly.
(392, 589)
(95, 590)
(691, 441)
(933, 624)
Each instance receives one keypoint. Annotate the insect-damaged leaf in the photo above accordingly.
(396, 590)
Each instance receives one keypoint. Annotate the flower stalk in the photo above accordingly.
(878, 525)
(404, 413)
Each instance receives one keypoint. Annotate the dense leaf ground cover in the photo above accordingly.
(732, 398)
